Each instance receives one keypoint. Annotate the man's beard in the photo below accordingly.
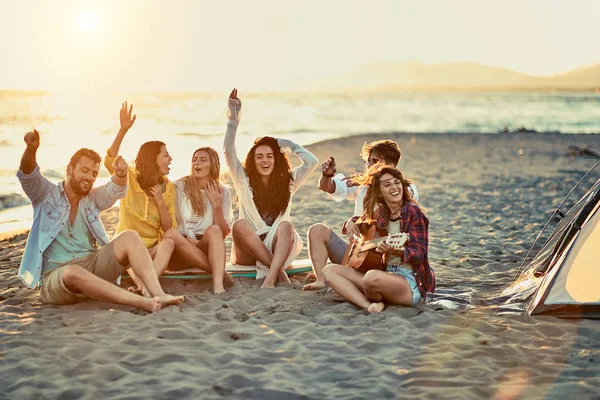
(76, 186)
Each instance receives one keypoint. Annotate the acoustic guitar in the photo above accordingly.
(357, 252)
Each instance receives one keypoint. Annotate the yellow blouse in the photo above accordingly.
(139, 212)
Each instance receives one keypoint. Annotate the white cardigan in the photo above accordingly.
(247, 208)
(184, 211)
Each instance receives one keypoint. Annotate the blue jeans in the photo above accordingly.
(410, 278)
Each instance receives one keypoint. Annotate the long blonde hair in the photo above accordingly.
(191, 185)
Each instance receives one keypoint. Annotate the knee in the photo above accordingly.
(371, 279)
(318, 232)
(130, 237)
(286, 227)
(214, 232)
(241, 227)
(329, 271)
(167, 244)
(71, 273)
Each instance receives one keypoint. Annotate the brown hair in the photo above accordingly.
(191, 185)
(387, 149)
(274, 198)
(148, 174)
(373, 198)
(89, 153)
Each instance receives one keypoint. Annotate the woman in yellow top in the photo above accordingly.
(149, 203)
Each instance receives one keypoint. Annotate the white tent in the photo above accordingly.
(567, 266)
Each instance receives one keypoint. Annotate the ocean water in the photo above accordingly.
(185, 122)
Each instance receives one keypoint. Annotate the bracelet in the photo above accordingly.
(119, 176)
(328, 176)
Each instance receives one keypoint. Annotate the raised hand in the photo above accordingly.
(215, 196)
(156, 192)
(125, 117)
(32, 139)
(328, 167)
(120, 167)
(234, 106)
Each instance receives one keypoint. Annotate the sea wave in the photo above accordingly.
(12, 200)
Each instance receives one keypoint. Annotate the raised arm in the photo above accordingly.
(28, 160)
(328, 170)
(236, 169)
(105, 196)
(309, 161)
(34, 184)
(126, 122)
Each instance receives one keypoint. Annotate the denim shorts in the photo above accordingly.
(407, 274)
(336, 248)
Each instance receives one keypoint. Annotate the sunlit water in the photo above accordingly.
(184, 122)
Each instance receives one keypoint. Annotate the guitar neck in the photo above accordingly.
(371, 244)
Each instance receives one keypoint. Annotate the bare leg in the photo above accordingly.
(189, 254)
(381, 285)
(212, 243)
(129, 249)
(80, 280)
(161, 254)
(282, 246)
(347, 282)
(248, 246)
(318, 236)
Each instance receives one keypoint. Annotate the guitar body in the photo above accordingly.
(361, 255)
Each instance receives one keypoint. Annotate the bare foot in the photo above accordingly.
(168, 300)
(218, 289)
(376, 308)
(152, 304)
(268, 284)
(228, 280)
(141, 291)
(316, 285)
(282, 277)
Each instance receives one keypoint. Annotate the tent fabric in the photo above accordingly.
(567, 265)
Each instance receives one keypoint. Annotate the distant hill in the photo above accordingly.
(461, 76)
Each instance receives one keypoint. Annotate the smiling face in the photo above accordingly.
(264, 160)
(82, 176)
(391, 189)
(163, 160)
(201, 166)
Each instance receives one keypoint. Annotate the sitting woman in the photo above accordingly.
(408, 278)
(263, 235)
(149, 203)
(204, 214)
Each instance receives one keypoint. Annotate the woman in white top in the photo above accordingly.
(204, 216)
(265, 184)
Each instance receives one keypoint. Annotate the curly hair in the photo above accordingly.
(273, 199)
(373, 197)
(148, 173)
(191, 185)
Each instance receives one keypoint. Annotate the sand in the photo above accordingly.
(487, 197)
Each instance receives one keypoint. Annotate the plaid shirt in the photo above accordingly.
(416, 224)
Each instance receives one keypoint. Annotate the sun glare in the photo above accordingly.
(87, 21)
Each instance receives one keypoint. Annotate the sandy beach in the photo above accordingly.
(487, 197)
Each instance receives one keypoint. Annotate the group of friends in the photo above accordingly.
(183, 224)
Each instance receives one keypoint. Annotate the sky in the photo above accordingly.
(279, 45)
